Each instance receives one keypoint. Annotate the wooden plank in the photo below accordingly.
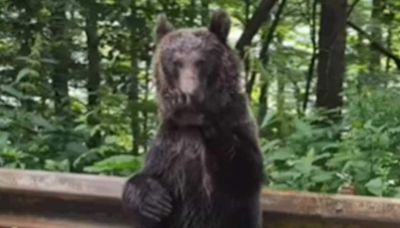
(28, 221)
(42, 199)
(61, 184)
(281, 221)
(342, 207)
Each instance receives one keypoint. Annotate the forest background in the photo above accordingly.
(76, 90)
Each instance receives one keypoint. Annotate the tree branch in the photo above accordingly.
(311, 67)
(271, 34)
(264, 58)
(352, 6)
(260, 16)
(374, 44)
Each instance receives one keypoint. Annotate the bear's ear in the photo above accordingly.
(220, 25)
(163, 27)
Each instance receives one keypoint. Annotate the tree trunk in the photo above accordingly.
(134, 82)
(205, 11)
(61, 54)
(280, 107)
(93, 81)
(389, 45)
(264, 59)
(260, 16)
(314, 55)
(249, 73)
(331, 65)
(376, 34)
(263, 101)
(25, 37)
(192, 13)
(146, 92)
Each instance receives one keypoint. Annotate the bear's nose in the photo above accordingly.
(188, 81)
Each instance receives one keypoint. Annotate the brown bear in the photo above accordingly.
(204, 169)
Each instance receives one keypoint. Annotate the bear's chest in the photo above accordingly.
(190, 166)
(190, 169)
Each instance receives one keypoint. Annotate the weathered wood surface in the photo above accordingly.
(295, 209)
(32, 199)
(37, 199)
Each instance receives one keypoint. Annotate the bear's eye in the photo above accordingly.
(178, 64)
(200, 62)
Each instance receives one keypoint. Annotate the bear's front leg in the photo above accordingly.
(146, 201)
(235, 149)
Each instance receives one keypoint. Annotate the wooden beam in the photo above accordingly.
(40, 199)
(29, 221)
(61, 185)
(327, 210)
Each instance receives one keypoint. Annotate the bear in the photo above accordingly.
(204, 168)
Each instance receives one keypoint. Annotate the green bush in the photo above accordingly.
(361, 150)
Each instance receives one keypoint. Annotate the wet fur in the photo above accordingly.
(204, 169)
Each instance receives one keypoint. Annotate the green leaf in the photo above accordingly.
(270, 145)
(12, 91)
(394, 130)
(108, 2)
(322, 176)
(76, 147)
(42, 122)
(279, 155)
(396, 192)
(62, 166)
(285, 175)
(112, 139)
(304, 165)
(264, 74)
(267, 120)
(330, 146)
(375, 186)
(3, 139)
(5, 122)
(383, 139)
(23, 73)
(304, 128)
(147, 106)
(118, 163)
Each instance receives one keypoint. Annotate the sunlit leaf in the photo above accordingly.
(118, 163)
(12, 91)
(375, 186)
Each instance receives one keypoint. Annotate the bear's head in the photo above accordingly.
(195, 69)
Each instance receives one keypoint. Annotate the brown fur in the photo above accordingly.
(206, 153)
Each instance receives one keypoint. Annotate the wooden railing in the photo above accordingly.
(32, 199)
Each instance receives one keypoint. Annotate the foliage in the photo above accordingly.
(362, 150)
(76, 93)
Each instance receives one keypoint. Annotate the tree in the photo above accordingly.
(134, 81)
(376, 33)
(61, 55)
(94, 78)
(260, 16)
(331, 62)
(264, 58)
(376, 45)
